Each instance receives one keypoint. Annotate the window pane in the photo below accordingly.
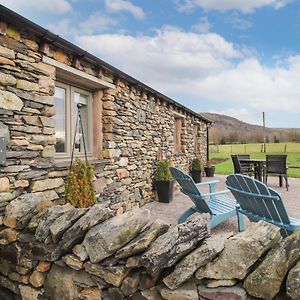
(60, 119)
(83, 100)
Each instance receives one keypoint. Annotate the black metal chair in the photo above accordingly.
(276, 165)
(242, 168)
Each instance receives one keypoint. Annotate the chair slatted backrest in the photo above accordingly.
(257, 200)
(243, 156)
(236, 164)
(189, 188)
(276, 164)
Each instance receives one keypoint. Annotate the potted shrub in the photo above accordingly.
(163, 181)
(209, 170)
(196, 170)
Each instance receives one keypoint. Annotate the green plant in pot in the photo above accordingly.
(196, 170)
(164, 183)
(209, 170)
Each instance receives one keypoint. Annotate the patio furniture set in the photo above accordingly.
(275, 165)
(252, 198)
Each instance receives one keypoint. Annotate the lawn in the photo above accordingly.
(225, 151)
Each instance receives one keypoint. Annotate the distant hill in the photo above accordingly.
(227, 129)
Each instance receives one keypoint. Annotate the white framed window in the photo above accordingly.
(66, 99)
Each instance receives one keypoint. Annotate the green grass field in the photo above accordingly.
(225, 151)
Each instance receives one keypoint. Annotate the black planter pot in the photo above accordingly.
(165, 190)
(196, 175)
(209, 171)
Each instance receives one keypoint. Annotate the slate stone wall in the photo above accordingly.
(138, 127)
(60, 252)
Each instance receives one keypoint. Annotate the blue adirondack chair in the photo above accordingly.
(220, 207)
(259, 202)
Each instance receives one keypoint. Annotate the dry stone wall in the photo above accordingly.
(138, 126)
(64, 253)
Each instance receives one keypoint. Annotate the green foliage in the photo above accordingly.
(163, 172)
(196, 164)
(79, 188)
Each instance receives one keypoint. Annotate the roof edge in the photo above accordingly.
(15, 19)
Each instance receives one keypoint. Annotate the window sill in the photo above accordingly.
(64, 163)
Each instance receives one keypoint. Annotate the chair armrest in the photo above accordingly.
(216, 193)
(207, 182)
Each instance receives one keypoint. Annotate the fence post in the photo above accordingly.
(285, 146)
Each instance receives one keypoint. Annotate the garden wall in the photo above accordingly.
(134, 125)
(61, 253)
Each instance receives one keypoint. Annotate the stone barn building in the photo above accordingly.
(128, 125)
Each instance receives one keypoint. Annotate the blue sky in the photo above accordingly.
(234, 57)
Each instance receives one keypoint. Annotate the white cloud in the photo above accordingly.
(242, 114)
(126, 6)
(95, 23)
(244, 6)
(199, 68)
(49, 6)
(239, 22)
(203, 26)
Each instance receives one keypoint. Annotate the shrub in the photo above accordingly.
(79, 188)
(163, 172)
(196, 164)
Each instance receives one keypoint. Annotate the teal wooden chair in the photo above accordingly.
(259, 202)
(220, 207)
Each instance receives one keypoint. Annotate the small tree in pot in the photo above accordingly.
(163, 181)
(196, 170)
(209, 170)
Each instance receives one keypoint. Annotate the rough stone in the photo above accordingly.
(60, 284)
(216, 283)
(31, 174)
(96, 214)
(8, 196)
(170, 247)
(130, 284)
(4, 184)
(72, 261)
(93, 293)
(143, 240)
(48, 111)
(106, 238)
(188, 291)
(29, 293)
(10, 101)
(265, 281)
(27, 85)
(7, 79)
(37, 279)
(8, 235)
(48, 100)
(64, 222)
(8, 53)
(6, 61)
(241, 252)
(21, 210)
(47, 184)
(113, 275)
(222, 293)
(293, 282)
(4, 131)
(43, 266)
(32, 120)
(80, 251)
(50, 216)
(8, 284)
(14, 276)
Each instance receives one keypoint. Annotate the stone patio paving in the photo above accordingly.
(169, 212)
